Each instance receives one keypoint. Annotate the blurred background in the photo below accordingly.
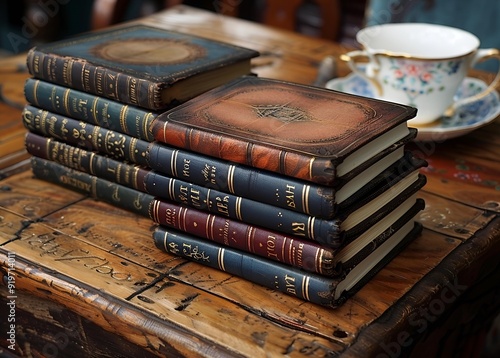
(24, 23)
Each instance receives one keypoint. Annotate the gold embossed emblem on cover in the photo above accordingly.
(148, 51)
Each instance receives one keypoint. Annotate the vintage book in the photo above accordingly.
(100, 111)
(365, 204)
(85, 135)
(319, 289)
(307, 255)
(140, 65)
(300, 131)
(263, 186)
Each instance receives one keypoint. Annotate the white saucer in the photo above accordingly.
(466, 118)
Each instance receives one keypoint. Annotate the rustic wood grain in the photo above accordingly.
(78, 260)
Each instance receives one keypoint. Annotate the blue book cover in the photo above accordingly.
(141, 65)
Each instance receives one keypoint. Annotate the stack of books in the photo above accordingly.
(300, 189)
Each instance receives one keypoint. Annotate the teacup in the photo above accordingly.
(419, 64)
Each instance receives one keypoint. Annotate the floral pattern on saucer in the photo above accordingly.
(465, 119)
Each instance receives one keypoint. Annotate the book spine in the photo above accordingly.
(306, 286)
(287, 163)
(243, 236)
(292, 251)
(81, 75)
(85, 135)
(258, 185)
(182, 192)
(80, 159)
(97, 110)
(112, 193)
(242, 209)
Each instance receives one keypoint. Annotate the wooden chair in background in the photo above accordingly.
(286, 14)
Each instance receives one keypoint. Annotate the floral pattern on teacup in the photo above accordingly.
(420, 78)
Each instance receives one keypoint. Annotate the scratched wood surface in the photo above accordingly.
(84, 261)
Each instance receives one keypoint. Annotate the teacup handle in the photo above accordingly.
(481, 55)
(371, 69)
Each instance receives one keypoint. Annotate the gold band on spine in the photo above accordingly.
(173, 161)
(123, 116)
(310, 226)
(171, 189)
(238, 208)
(305, 288)
(220, 259)
(230, 178)
(305, 199)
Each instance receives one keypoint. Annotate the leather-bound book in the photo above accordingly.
(292, 251)
(296, 195)
(237, 214)
(319, 289)
(141, 65)
(300, 131)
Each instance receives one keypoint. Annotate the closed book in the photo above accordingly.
(85, 135)
(305, 132)
(263, 186)
(296, 251)
(140, 65)
(100, 111)
(326, 291)
(367, 202)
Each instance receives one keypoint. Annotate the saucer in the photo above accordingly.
(465, 119)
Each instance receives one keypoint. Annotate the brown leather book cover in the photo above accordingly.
(300, 131)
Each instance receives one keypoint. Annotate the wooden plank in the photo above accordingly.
(33, 198)
(407, 269)
(451, 218)
(47, 329)
(101, 307)
(257, 334)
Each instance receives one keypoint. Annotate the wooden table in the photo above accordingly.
(88, 280)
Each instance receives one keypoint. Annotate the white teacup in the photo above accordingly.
(419, 64)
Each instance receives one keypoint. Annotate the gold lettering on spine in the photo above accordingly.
(75, 183)
(271, 247)
(221, 204)
(299, 229)
(133, 91)
(290, 196)
(68, 78)
(299, 254)
(86, 79)
(290, 284)
(99, 82)
(185, 168)
(36, 64)
(66, 72)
